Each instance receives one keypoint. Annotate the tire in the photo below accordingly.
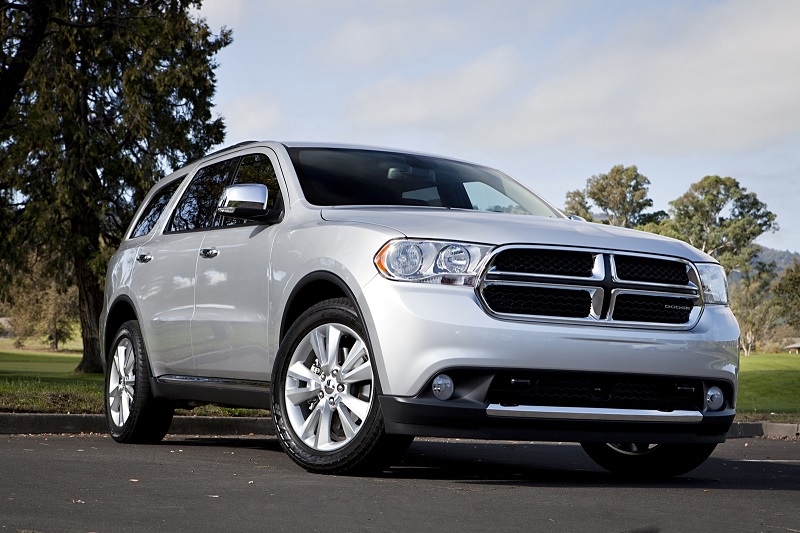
(132, 414)
(325, 394)
(648, 460)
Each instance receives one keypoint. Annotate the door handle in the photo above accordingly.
(209, 253)
(144, 258)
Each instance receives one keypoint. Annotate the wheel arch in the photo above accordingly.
(120, 312)
(312, 289)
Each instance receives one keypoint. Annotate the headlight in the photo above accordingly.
(448, 263)
(715, 283)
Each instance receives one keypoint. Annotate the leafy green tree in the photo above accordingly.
(117, 92)
(718, 216)
(621, 195)
(576, 204)
(787, 295)
(43, 305)
(752, 303)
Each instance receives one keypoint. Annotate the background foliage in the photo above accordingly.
(115, 93)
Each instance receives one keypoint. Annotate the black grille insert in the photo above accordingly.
(647, 308)
(520, 300)
(545, 262)
(632, 268)
(584, 389)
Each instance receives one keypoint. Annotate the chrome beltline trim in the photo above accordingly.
(592, 413)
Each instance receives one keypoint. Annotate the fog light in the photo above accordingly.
(443, 387)
(714, 399)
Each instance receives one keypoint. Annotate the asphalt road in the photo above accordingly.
(54, 483)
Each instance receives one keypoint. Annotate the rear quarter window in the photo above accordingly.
(147, 221)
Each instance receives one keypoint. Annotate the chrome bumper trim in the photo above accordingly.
(592, 413)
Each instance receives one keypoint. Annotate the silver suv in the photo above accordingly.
(366, 296)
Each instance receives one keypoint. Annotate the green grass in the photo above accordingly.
(769, 388)
(35, 382)
(38, 382)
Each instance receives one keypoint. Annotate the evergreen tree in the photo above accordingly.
(117, 92)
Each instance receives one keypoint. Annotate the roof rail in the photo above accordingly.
(237, 145)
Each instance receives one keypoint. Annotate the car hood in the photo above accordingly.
(499, 228)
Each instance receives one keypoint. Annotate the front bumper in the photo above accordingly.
(419, 330)
(434, 418)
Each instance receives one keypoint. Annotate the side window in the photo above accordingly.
(153, 211)
(257, 168)
(198, 205)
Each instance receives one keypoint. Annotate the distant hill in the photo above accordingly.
(783, 259)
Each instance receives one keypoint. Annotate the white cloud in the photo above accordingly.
(723, 79)
(445, 101)
(253, 117)
(361, 42)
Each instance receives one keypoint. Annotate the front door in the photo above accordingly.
(229, 327)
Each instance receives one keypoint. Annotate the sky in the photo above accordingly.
(549, 92)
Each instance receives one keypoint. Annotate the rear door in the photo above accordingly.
(164, 279)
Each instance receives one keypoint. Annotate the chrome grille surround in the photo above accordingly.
(605, 286)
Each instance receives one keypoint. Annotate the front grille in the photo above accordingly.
(586, 389)
(545, 262)
(524, 300)
(600, 287)
(634, 268)
(644, 308)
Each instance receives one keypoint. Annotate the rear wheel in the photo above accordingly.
(648, 460)
(132, 414)
(325, 394)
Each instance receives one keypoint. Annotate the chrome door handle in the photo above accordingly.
(209, 253)
(144, 258)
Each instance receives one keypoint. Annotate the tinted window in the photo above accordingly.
(154, 209)
(257, 168)
(198, 205)
(336, 176)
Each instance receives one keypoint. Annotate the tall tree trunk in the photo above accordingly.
(90, 304)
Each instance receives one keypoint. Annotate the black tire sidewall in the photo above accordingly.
(666, 460)
(147, 416)
(354, 453)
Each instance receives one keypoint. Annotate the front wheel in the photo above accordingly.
(648, 460)
(325, 394)
(132, 413)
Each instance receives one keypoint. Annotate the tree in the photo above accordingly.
(43, 305)
(752, 303)
(621, 195)
(787, 295)
(114, 95)
(576, 204)
(23, 27)
(718, 216)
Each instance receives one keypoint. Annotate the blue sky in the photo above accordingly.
(548, 92)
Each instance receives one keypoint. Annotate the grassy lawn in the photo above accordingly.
(769, 388)
(39, 382)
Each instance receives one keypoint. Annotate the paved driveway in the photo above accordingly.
(90, 483)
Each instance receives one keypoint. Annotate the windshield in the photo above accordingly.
(343, 176)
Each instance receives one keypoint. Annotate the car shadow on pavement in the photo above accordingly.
(537, 464)
(557, 464)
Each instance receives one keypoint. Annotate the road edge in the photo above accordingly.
(38, 423)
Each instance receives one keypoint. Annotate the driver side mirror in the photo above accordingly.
(249, 202)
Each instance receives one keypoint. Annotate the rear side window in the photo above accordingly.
(198, 205)
(153, 211)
